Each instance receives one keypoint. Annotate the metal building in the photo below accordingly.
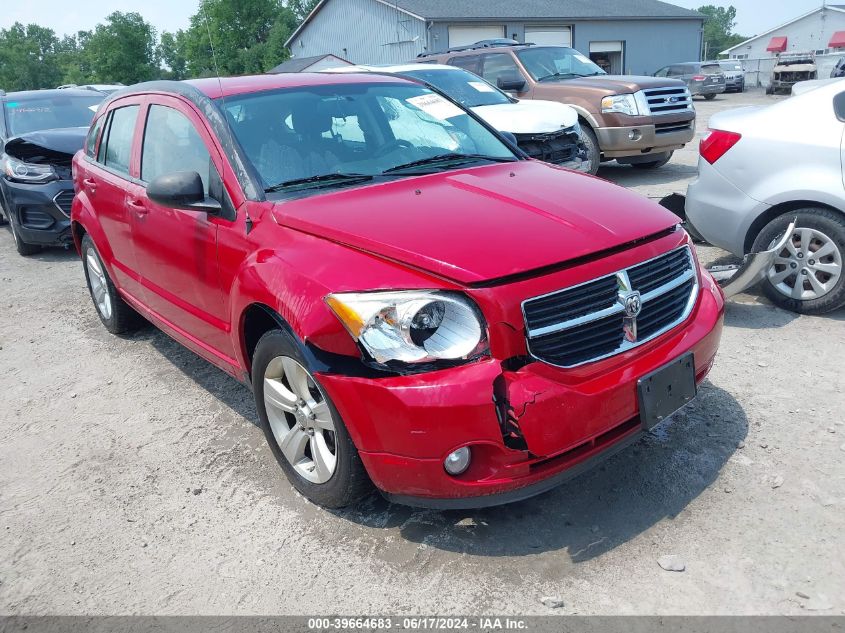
(624, 36)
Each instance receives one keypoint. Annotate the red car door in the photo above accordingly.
(106, 186)
(176, 249)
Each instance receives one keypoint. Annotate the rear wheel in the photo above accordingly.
(302, 426)
(807, 276)
(591, 144)
(710, 97)
(113, 311)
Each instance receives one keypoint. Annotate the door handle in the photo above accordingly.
(138, 207)
(91, 185)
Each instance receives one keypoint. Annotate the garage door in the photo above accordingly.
(549, 35)
(466, 35)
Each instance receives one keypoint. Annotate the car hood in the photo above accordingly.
(53, 147)
(528, 117)
(615, 84)
(482, 223)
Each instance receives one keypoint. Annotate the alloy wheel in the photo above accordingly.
(301, 420)
(808, 267)
(99, 285)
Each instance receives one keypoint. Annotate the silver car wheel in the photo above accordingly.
(808, 267)
(99, 285)
(300, 419)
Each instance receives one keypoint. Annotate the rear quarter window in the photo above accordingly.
(93, 135)
(118, 147)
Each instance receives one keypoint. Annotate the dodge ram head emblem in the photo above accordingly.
(633, 304)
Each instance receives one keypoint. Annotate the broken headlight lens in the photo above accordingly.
(412, 326)
(19, 171)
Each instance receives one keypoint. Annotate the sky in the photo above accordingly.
(63, 16)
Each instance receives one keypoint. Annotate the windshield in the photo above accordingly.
(463, 86)
(333, 135)
(548, 63)
(47, 113)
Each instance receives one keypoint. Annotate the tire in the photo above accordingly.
(591, 144)
(285, 414)
(815, 229)
(22, 247)
(770, 90)
(654, 164)
(119, 317)
(710, 97)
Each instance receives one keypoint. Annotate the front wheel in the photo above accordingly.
(302, 426)
(807, 274)
(591, 144)
(22, 247)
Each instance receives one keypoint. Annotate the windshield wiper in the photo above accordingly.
(448, 158)
(324, 180)
(553, 75)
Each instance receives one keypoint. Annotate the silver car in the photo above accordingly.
(702, 78)
(762, 168)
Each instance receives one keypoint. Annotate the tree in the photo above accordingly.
(718, 29)
(172, 53)
(123, 50)
(245, 36)
(28, 58)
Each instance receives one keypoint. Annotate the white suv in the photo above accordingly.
(545, 130)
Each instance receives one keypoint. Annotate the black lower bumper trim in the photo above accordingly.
(519, 494)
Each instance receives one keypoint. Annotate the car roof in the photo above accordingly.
(25, 95)
(214, 87)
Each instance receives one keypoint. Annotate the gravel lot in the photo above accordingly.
(133, 480)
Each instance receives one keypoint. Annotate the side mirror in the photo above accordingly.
(511, 83)
(181, 190)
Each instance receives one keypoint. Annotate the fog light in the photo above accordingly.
(458, 461)
(635, 135)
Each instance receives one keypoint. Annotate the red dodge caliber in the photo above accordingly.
(414, 303)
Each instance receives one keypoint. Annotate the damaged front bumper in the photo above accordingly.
(529, 428)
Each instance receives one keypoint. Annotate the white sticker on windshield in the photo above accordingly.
(581, 58)
(436, 106)
(481, 86)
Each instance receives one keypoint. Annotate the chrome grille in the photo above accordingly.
(593, 320)
(63, 200)
(669, 100)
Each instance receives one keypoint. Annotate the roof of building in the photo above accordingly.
(298, 64)
(527, 10)
(543, 9)
(835, 7)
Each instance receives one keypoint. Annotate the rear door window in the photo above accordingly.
(118, 146)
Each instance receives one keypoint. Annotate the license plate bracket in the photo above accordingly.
(665, 390)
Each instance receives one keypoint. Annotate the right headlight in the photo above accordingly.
(632, 104)
(412, 326)
(20, 171)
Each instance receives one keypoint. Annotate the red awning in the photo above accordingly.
(838, 40)
(777, 45)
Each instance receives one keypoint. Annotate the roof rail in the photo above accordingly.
(495, 43)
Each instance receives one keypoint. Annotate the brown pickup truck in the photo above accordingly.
(635, 120)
